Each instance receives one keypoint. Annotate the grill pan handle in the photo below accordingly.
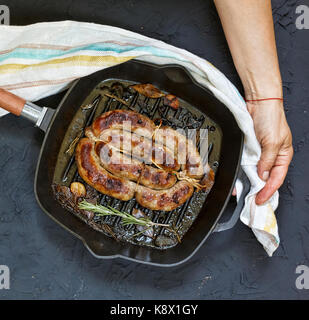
(21, 107)
(240, 204)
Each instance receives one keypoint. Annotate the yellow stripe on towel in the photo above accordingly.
(271, 222)
(84, 61)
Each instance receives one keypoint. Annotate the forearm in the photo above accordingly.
(248, 27)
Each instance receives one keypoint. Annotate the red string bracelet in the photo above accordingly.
(256, 100)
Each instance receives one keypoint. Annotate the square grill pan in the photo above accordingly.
(186, 117)
(197, 218)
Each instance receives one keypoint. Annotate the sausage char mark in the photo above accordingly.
(116, 118)
(123, 166)
(184, 147)
(139, 147)
(172, 139)
(95, 175)
(165, 200)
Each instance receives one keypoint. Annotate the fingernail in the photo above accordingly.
(265, 175)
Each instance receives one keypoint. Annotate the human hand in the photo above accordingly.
(249, 30)
(274, 135)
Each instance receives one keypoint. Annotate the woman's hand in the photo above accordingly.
(249, 30)
(274, 135)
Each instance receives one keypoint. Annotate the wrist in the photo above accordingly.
(264, 91)
(265, 106)
(262, 86)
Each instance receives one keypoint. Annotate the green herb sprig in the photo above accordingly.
(126, 217)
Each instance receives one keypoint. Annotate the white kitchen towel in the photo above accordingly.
(42, 59)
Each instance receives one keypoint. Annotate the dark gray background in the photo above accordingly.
(47, 262)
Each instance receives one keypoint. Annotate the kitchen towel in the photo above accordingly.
(42, 59)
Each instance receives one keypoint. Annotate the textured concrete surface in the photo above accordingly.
(47, 262)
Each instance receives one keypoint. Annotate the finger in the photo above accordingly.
(267, 160)
(234, 193)
(277, 175)
(274, 182)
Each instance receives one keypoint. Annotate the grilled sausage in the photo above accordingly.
(89, 168)
(165, 200)
(187, 152)
(208, 180)
(123, 166)
(138, 146)
(114, 120)
(117, 179)
(184, 148)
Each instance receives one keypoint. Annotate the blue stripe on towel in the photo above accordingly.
(45, 54)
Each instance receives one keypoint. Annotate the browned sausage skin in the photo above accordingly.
(178, 143)
(116, 118)
(139, 146)
(153, 188)
(96, 176)
(184, 147)
(89, 168)
(123, 166)
(166, 200)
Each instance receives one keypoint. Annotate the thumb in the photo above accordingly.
(267, 160)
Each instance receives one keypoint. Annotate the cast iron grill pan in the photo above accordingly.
(186, 117)
(169, 78)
